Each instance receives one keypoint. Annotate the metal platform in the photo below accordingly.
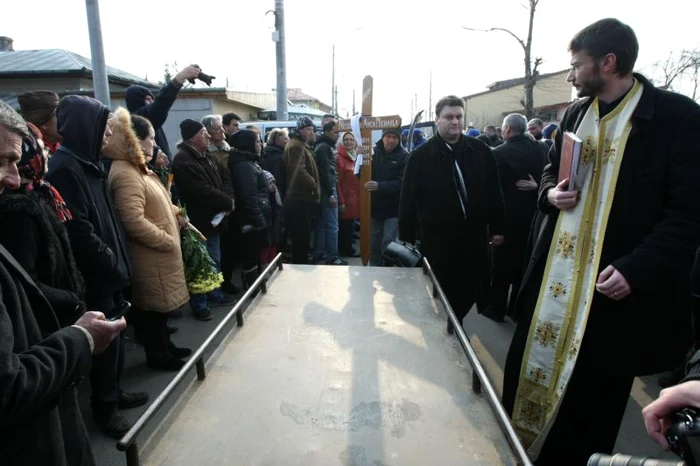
(335, 366)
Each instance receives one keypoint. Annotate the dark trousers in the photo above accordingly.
(228, 254)
(345, 239)
(107, 367)
(590, 414)
(251, 248)
(151, 329)
(297, 217)
(451, 276)
(501, 283)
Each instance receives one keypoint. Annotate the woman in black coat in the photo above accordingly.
(33, 230)
(252, 214)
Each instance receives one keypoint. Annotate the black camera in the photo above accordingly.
(684, 435)
(205, 78)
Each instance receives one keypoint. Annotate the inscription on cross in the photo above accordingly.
(368, 123)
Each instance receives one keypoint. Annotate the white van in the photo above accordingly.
(266, 126)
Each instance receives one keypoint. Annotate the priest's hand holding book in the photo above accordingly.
(560, 196)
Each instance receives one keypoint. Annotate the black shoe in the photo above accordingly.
(225, 301)
(179, 353)
(131, 400)
(115, 425)
(203, 315)
(337, 261)
(230, 288)
(165, 363)
(171, 328)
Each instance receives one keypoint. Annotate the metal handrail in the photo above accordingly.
(482, 378)
(128, 441)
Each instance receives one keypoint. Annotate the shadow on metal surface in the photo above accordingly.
(480, 380)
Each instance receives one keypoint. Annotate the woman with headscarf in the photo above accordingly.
(152, 226)
(252, 214)
(348, 194)
(33, 230)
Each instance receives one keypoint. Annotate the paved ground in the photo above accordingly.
(490, 340)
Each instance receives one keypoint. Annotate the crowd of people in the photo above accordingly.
(597, 274)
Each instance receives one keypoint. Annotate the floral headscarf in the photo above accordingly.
(32, 166)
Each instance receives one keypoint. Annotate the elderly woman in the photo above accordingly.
(348, 194)
(33, 230)
(150, 221)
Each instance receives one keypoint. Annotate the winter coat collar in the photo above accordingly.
(296, 137)
(124, 145)
(238, 156)
(188, 148)
(224, 147)
(323, 139)
(379, 148)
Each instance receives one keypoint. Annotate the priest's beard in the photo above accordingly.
(592, 85)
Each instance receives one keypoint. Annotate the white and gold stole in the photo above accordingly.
(571, 273)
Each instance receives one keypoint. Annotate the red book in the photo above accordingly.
(570, 158)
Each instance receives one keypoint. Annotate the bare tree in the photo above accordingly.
(531, 65)
(677, 69)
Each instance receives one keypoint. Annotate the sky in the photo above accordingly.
(399, 45)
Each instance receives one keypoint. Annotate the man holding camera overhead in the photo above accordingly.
(140, 101)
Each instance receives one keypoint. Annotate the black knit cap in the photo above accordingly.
(394, 131)
(189, 128)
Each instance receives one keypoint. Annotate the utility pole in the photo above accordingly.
(335, 108)
(278, 38)
(334, 104)
(353, 103)
(100, 82)
(430, 98)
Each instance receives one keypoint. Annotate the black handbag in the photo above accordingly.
(398, 254)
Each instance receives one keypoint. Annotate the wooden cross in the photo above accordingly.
(367, 124)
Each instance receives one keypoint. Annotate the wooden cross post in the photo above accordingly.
(367, 124)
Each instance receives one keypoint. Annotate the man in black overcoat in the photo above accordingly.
(520, 161)
(639, 316)
(451, 189)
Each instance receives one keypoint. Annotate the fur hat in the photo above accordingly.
(38, 107)
(189, 128)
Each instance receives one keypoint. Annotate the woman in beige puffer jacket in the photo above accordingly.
(151, 223)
